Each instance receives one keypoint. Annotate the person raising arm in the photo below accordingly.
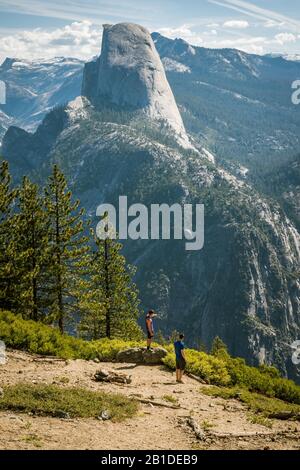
(150, 328)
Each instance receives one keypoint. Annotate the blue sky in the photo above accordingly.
(46, 28)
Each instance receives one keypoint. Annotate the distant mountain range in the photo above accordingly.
(121, 140)
(237, 105)
(33, 88)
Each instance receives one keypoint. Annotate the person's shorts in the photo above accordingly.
(149, 335)
(180, 364)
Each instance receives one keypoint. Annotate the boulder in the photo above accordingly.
(142, 355)
(112, 377)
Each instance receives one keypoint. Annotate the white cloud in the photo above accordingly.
(79, 39)
(274, 24)
(253, 45)
(184, 32)
(213, 25)
(236, 24)
(284, 38)
(256, 44)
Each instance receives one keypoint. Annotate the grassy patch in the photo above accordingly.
(34, 440)
(261, 420)
(63, 380)
(206, 425)
(170, 399)
(51, 400)
(256, 402)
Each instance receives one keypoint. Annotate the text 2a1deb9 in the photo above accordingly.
(150, 459)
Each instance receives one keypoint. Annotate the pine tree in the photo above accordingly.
(8, 251)
(218, 347)
(68, 248)
(111, 301)
(33, 249)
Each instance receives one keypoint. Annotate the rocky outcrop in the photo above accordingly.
(130, 75)
(142, 355)
(103, 375)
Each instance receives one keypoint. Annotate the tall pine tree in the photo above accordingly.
(68, 248)
(33, 248)
(111, 300)
(8, 252)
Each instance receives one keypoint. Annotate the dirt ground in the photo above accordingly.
(225, 422)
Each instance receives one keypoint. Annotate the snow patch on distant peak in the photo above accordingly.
(172, 65)
(191, 50)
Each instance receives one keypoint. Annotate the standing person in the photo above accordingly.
(180, 358)
(149, 327)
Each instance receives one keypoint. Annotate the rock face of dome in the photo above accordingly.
(129, 74)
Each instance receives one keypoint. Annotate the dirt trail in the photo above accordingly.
(226, 422)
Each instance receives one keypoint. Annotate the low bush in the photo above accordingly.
(42, 339)
(256, 402)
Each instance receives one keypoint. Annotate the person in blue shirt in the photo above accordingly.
(180, 358)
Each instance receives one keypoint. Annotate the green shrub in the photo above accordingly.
(256, 402)
(41, 339)
(264, 380)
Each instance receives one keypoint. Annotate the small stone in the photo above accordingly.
(1, 392)
(18, 418)
(96, 360)
(105, 415)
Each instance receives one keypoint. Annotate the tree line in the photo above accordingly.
(54, 269)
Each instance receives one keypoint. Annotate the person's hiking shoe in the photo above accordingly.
(180, 381)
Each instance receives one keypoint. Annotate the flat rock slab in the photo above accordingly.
(142, 356)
